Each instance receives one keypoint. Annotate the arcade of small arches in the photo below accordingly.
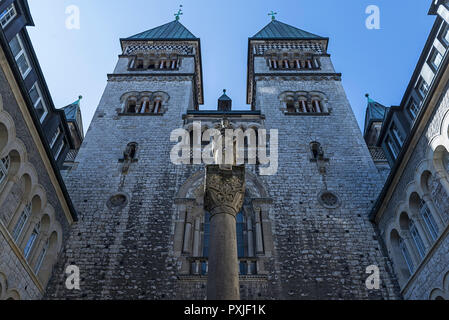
(141, 103)
(253, 228)
(302, 102)
(441, 293)
(292, 61)
(165, 61)
(27, 220)
(7, 293)
(423, 215)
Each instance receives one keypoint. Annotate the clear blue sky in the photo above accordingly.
(380, 62)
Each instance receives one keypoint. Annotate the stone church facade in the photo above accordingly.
(303, 233)
(338, 205)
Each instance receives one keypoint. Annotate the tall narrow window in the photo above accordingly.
(31, 240)
(242, 244)
(21, 222)
(435, 59)
(38, 102)
(59, 150)
(393, 147)
(413, 109)
(419, 243)
(291, 107)
(20, 55)
(41, 257)
(427, 216)
(131, 108)
(398, 135)
(55, 137)
(423, 87)
(444, 35)
(4, 168)
(406, 255)
(8, 15)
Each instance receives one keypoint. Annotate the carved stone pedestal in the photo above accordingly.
(224, 195)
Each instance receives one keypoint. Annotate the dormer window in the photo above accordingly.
(435, 59)
(8, 15)
(413, 109)
(423, 87)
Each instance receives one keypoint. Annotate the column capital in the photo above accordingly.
(224, 190)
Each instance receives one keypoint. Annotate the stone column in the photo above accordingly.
(224, 195)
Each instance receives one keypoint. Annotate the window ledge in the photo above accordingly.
(307, 113)
(294, 69)
(141, 114)
(193, 277)
(153, 70)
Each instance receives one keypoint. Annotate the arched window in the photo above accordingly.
(31, 240)
(139, 64)
(419, 243)
(41, 257)
(317, 151)
(131, 105)
(406, 255)
(291, 106)
(4, 168)
(429, 220)
(17, 231)
(152, 65)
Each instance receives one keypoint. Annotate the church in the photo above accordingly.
(340, 202)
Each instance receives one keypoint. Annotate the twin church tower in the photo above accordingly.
(303, 232)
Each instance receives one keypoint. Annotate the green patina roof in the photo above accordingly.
(279, 30)
(170, 31)
(72, 109)
(374, 112)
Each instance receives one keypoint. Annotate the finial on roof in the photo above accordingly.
(273, 15)
(179, 13)
(224, 91)
(80, 97)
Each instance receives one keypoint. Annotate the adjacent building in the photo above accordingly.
(35, 208)
(412, 211)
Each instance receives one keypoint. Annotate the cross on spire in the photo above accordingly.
(179, 13)
(273, 15)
